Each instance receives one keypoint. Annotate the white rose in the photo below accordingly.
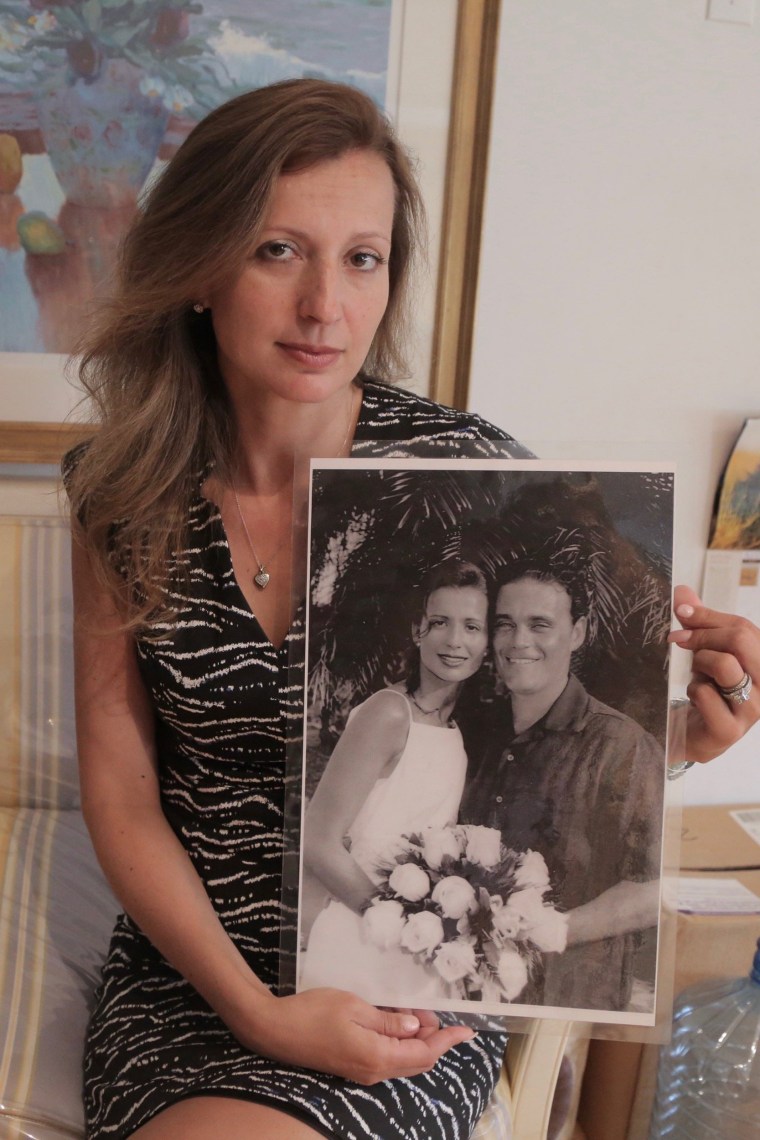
(422, 933)
(454, 960)
(513, 973)
(506, 921)
(383, 923)
(529, 904)
(549, 933)
(532, 871)
(409, 882)
(454, 896)
(440, 842)
(483, 845)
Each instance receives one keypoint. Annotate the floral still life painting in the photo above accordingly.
(95, 95)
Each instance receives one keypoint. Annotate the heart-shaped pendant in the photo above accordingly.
(261, 579)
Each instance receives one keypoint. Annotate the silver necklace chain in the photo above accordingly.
(262, 577)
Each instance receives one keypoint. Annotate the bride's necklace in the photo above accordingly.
(424, 711)
(262, 577)
(427, 712)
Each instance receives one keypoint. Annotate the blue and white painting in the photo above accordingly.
(96, 94)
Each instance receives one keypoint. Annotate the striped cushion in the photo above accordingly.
(56, 915)
(37, 742)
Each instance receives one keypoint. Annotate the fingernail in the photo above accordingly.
(410, 1024)
(680, 636)
(685, 611)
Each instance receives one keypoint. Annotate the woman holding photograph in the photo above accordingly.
(398, 768)
(258, 313)
(264, 282)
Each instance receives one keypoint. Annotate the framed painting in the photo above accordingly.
(429, 62)
(483, 758)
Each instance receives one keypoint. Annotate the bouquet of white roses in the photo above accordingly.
(469, 908)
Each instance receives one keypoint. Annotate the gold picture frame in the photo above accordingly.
(466, 169)
(37, 442)
(456, 287)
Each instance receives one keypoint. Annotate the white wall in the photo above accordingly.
(620, 272)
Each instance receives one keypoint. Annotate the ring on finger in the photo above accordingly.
(738, 693)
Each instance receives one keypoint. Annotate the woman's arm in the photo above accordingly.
(370, 746)
(146, 865)
(141, 856)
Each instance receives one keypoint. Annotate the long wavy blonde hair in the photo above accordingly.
(148, 362)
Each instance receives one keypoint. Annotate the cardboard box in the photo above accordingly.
(717, 945)
(712, 839)
(620, 1079)
(715, 845)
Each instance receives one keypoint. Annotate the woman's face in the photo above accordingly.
(453, 636)
(298, 322)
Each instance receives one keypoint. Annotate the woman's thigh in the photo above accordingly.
(210, 1117)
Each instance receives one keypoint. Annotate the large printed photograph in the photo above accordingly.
(485, 722)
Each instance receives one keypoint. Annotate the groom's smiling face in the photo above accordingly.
(535, 636)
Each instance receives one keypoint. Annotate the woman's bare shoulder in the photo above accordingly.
(388, 706)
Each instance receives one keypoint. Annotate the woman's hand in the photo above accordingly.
(725, 648)
(335, 1032)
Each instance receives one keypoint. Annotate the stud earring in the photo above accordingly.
(199, 308)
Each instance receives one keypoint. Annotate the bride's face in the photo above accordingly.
(453, 635)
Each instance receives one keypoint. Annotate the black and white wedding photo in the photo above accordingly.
(485, 735)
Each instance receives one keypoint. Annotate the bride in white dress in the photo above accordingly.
(398, 768)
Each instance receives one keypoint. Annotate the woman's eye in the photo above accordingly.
(276, 251)
(364, 259)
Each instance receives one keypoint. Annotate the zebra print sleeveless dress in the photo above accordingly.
(226, 701)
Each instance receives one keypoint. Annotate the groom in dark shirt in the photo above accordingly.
(561, 773)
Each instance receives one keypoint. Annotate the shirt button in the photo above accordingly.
(499, 799)
(510, 756)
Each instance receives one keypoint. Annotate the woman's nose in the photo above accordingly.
(321, 295)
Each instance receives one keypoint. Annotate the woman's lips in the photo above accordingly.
(314, 355)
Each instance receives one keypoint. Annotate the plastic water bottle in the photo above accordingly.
(708, 1084)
